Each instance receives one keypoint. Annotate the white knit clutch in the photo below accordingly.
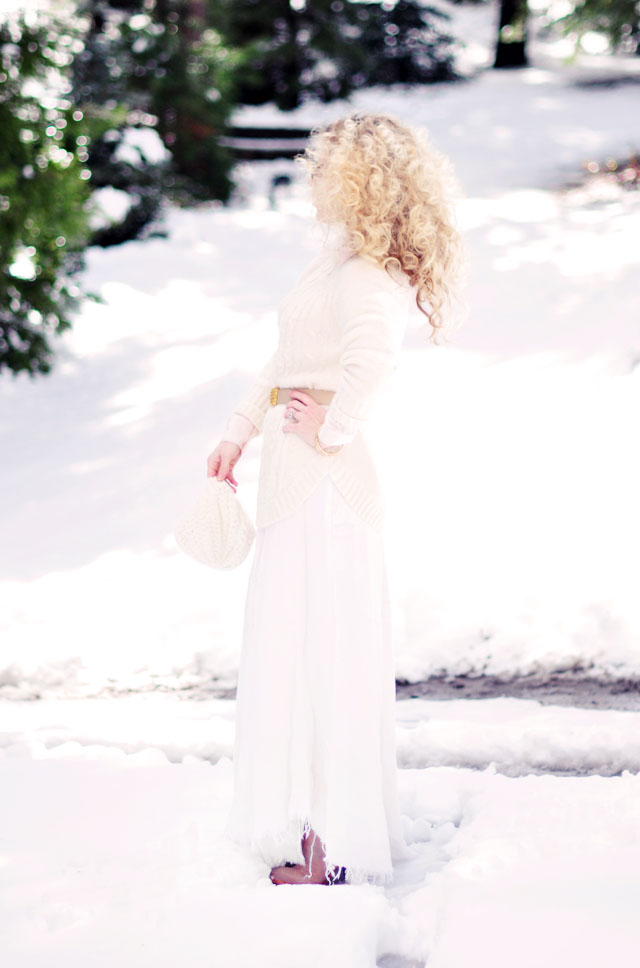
(216, 530)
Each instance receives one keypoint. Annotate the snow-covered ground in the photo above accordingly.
(512, 545)
(130, 866)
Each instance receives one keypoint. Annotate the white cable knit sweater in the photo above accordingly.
(341, 328)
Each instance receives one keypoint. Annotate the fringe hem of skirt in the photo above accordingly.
(286, 846)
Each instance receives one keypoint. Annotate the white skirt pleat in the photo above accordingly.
(315, 723)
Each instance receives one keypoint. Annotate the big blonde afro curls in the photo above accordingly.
(393, 192)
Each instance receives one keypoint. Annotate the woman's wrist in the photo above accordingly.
(327, 451)
(225, 440)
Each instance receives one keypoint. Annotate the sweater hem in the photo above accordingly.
(281, 505)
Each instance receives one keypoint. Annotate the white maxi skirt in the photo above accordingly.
(315, 723)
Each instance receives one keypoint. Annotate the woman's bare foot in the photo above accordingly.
(311, 872)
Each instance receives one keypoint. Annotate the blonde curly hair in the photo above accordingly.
(393, 193)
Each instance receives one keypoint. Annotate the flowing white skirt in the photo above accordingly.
(315, 725)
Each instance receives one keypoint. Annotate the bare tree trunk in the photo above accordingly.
(193, 20)
(511, 49)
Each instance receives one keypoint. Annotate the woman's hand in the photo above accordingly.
(303, 416)
(221, 462)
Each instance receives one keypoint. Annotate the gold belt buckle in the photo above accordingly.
(273, 399)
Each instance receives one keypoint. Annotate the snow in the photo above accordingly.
(107, 206)
(522, 487)
(140, 145)
(510, 464)
(516, 736)
(131, 863)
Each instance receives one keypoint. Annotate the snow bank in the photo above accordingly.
(513, 736)
(509, 457)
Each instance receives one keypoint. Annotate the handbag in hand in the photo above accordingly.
(216, 530)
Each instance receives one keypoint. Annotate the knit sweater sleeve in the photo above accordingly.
(372, 313)
(253, 406)
(239, 430)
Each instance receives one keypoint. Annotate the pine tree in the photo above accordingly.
(159, 66)
(43, 188)
(294, 51)
(194, 96)
(619, 20)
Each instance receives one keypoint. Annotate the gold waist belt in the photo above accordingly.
(283, 394)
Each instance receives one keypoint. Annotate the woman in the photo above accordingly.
(315, 777)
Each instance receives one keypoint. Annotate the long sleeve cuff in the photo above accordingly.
(331, 434)
(239, 430)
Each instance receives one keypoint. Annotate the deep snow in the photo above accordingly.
(130, 865)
